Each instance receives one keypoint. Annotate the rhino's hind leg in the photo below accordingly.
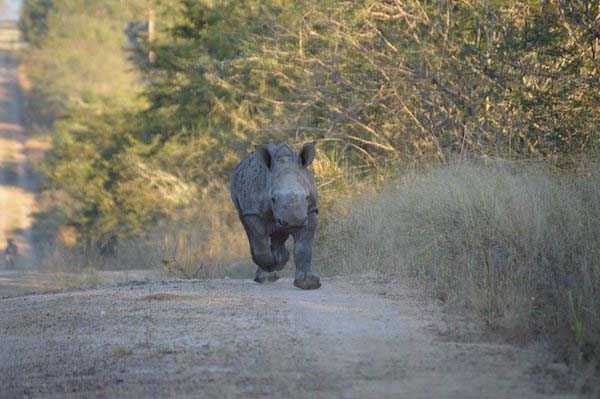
(263, 277)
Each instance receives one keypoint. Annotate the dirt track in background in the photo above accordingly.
(358, 337)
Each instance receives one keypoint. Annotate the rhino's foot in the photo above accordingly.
(263, 277)
(307, 281)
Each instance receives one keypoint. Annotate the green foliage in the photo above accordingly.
(209, 97)
(79, 55)
(384, 81)
(84, 90)
(33, 19)
(140, 125)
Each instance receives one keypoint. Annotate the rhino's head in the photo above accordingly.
(288, 189)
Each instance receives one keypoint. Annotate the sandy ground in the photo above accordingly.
(356, 337)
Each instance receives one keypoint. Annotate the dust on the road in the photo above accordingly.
(234, 338)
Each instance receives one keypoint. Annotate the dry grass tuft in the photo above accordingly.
(517, 244)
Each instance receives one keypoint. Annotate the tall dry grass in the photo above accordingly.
(202, 241)
(517, 244)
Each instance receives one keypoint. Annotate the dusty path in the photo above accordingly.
(17, 197)
(234, 338)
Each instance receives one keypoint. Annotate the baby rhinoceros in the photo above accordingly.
(276, 196)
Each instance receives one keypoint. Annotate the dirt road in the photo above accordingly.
(359, 337)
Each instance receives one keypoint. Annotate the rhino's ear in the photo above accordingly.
(307, 153)
(264, 155)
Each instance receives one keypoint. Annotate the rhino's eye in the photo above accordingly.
(307, 197)
(273, 199)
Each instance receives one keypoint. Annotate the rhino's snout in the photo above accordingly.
(282, 224)
(290, 210)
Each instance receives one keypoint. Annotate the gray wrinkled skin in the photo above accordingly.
(276, 196)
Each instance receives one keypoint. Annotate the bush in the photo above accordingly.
(517, 244)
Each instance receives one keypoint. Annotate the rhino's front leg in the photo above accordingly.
(278, 249)
(303, 241)
(261, 249)
(256, 230)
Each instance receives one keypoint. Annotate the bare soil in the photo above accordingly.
(356, 337)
